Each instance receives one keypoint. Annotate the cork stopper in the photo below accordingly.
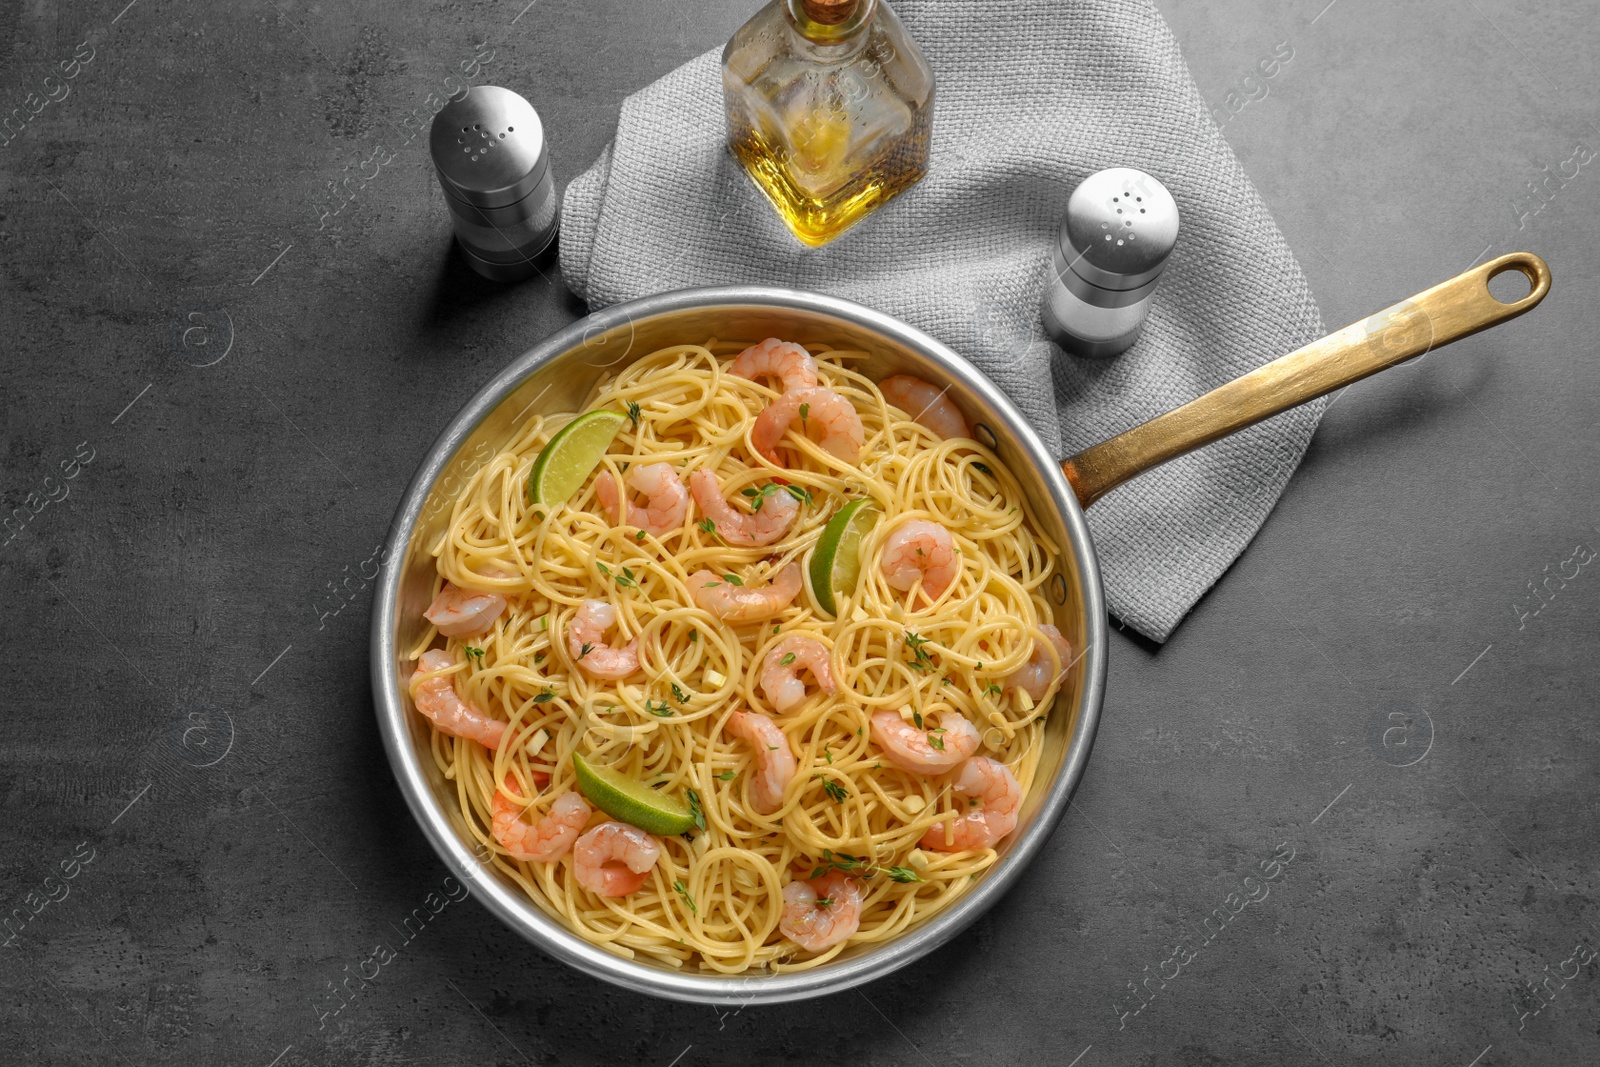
(830, 12)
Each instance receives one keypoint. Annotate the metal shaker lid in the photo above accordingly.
(1120, 227)
(489, 147)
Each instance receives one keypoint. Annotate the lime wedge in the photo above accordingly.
(630, 800)
(571, 456)
(836, 561)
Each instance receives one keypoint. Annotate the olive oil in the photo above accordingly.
(830, 110)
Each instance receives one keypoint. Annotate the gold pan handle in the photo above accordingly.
(1448, 312)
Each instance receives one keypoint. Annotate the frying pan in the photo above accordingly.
(558, 375)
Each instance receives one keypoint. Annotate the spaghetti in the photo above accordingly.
(714, 898)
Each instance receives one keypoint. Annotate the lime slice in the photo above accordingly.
(571, 456)
(631, 800)
(836, 561)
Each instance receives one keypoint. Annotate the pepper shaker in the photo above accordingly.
(494, 167)
(1109, 252)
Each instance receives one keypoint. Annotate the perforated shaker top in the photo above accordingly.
(1121, 225)
(489, 146)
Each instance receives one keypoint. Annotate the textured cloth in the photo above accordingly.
(1032, 96)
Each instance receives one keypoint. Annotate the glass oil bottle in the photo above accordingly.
(830, 108)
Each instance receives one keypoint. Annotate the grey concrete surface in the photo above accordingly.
(228, 400)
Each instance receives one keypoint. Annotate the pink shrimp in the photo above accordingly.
(589, 651)
(438, 700)
(788, 362)
(924, 750)
(822, 912)
(995, 789)
(775, 512)
(458, 612)
(927, 404)
(780, 671)
(743, 603)
(775, 762)
(923, 550)
(825, 416)
(544, 841)
(614, 859)
(666, 501)
(1036, 676)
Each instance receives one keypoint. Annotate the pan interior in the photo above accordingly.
(560, 378)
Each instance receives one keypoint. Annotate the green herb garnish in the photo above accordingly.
(921, 661)
(784, 662)
(626, 579)
(696, 812)
(836, 792)
(683, 894)
(843, 861)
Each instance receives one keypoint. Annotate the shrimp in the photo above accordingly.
(784, 360)
(920, 550)
(614, 859)
(1036, 676)
(775, 762)
(920, 751)
(458, 612)
(666, 501)
(438, 700)
(743, 603)
(996, 790)
(589, 652)
(927, 404)
(780, 671)
(827, 417)
(774, 515)
(544, 841)
(822, 912)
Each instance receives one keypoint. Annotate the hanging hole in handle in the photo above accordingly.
(1512, 290)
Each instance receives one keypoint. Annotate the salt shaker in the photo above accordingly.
(1109, 252)
(489, 151)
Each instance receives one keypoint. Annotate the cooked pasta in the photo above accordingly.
(583, 591)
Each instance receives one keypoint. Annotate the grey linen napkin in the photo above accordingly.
(1032, 96)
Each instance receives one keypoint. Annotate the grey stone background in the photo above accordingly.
(227, 392)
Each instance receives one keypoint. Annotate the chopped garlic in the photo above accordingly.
(537, 742)
(715, 679)
(918, 860)
(914, 803)
(906, 713)
(1024, 701)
